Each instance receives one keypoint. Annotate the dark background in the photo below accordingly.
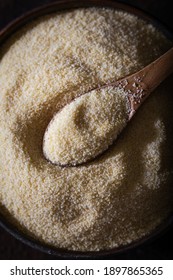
(10, 248)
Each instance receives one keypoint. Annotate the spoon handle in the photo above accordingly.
(141, 84)
(157, 71)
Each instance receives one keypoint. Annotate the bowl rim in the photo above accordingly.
(5, 33)
(60, 5)
(158, 232)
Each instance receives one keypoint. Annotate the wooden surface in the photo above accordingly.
(10, 248)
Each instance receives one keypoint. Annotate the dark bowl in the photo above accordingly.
(4, 222)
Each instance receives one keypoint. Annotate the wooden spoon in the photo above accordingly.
(67, 144)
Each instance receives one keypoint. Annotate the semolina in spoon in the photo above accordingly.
(87, 126)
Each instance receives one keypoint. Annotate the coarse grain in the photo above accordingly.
(117, 198)
(86, 127)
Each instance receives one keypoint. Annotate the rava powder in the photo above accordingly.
(119, 197)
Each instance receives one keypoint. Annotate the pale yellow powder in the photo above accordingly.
(117, 198)
(86, 127)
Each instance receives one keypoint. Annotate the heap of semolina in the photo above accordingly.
(117, 198)
(86, 127)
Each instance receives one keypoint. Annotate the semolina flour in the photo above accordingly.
(121, 196)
